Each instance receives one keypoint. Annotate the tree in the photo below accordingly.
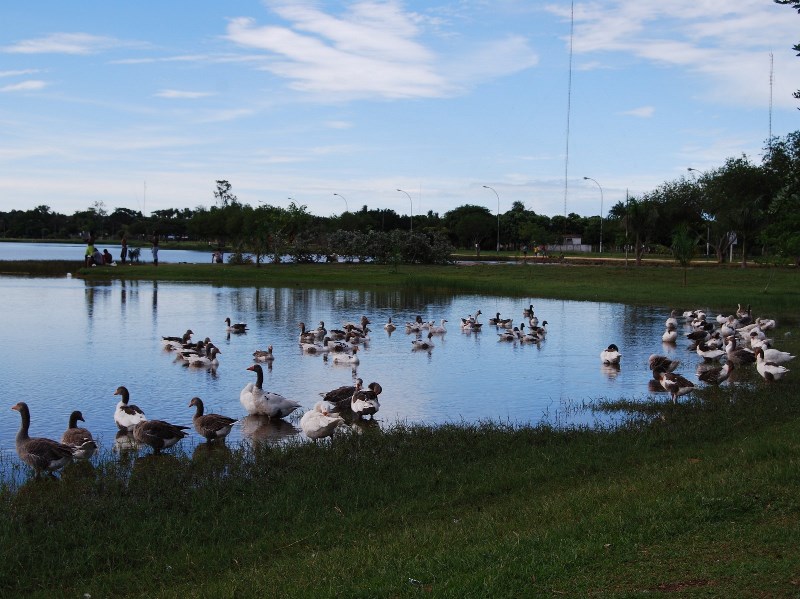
(224, 195)
(795, 4)
(683, 246)
(470, 224)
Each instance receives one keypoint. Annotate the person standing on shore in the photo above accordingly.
(155, 249)
(124, 253)
(87, 257)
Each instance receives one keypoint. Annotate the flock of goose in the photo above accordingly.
(737, 338)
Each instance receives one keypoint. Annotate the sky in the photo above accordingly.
(404, 105)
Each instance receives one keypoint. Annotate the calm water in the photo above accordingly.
(70, 343)
(68, 251)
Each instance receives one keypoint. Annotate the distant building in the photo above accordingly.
(570, 243)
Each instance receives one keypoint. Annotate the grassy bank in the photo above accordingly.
(769, 290)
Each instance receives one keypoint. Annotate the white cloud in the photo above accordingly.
(64, 43)
(18, 73)
(338, 124)
(644, 112)
(24, 86)
(181, 95)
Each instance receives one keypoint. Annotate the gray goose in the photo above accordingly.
(210, 426)
(39, 453)
(78, 438)
(127, 415)
(675, 384)
(261, 355)
(340, 397)
(659, 364)
(158, 434)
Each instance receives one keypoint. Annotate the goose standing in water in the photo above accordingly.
(257, 401)
(611, 355)
(340, 397)
(662, 364)
(78, 438)
(158, 434)
(675, 384)
(318, 423)
(127, 415)
(236, 327)
(768, 370)
(41, 454)
(210, 426)
(670, 335)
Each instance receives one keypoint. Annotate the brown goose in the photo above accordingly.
(210, 426)
(127, 415)
(158, 434)
(676, 385)
(715, 376)
(78, 438)
(39, 453)
(261, 355)
(659, 364)
(365, 401)
(340, 397)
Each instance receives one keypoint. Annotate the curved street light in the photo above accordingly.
(498, 215)
(411, 218)
(601, 212)
(347, 208)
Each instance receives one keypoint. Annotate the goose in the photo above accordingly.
(365, 401)
(318, 423)
(78, 438)
(39, 453)
(708, 354)
(540, 331)
(205, 361)
(698, 335)
(769, 370)
(532, 337)
(766, 323)
(316, 348)
(173, 343)
(715, 376)
(736, 355)
(257, 401)
(343, 358)
(158, 434)
(362, 324)
(610, 355)
(511, 335)
(497, 321)
(127, 416)
(340, 397)
(775, 356)
(210, 426)
(237, 327)
(672, 320)
(306, 336)
(416, 326)
(527, 312)
(470, 323)
(670, 335)
(660, 364)
(675, 384)
(263, 355)
(422, 343)
(320, 331)
(389, 326)
(440, 328)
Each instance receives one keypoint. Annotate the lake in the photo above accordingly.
(70, 343)
(69, 251)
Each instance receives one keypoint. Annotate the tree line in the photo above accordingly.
(752, 207)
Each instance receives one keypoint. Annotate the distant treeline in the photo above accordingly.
(753, 207)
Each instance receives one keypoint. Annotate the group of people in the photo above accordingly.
(94, 257)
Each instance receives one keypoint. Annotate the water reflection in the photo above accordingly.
(260, 429)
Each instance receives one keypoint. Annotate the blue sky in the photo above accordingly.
(144, 105)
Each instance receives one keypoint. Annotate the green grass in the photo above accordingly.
(700, 498)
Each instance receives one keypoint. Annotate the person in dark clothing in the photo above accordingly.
(123, 255)
(155, 250)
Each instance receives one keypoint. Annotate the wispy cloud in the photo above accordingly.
(24, 86)
(374, 49)
(18, 73)
(181, 95)
(65, 43)
(644, 112)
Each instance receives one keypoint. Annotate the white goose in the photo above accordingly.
(318, 423)
(707, 353)
(610, 355)
(670, 335)
(127, 416)
(768, 370)
(344, 358)
(775, 356)
(257, 401)
(439, 329)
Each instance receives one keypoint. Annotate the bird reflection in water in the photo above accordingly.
(610, 370)
(654, 386)
(264, 430)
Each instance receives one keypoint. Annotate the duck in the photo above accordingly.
(237, 327)
(158, 434)
(425, 344)
(439, 329)
(344, 358)
(389, 326)
(263, 355)
(340, 397)
(210, 426)
(670, 335)
(660, 364)
(317, 423)
(40, 453)
(708, 353)
(365, 401)
(78, 438)
(257, 401)
(173, 343)
(610, 355)
(127, 415)
(769, 371)
(715, 376)
(675, 384)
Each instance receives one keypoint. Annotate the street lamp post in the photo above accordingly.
(692, 171)
(347, 208)
(498, 216)
(601, 212)
(411, 218)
